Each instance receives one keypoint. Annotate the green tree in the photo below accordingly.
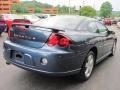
(106, 9)
(87, 11)
(63, 10)
(19, 8)
(38, 10)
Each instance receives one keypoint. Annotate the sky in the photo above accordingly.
(94, 3)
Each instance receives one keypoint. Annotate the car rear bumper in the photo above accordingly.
(59, 62)
(65, 73)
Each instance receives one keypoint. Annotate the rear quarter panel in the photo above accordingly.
(83, 41)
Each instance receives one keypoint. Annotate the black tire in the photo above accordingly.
(81, 76)
(113, 49)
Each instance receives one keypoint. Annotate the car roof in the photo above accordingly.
(65, 21)
(77, 17)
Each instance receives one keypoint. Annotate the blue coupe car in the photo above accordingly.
(60, 45)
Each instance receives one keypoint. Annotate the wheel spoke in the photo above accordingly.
(89, 65)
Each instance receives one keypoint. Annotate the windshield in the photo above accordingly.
(60, 22)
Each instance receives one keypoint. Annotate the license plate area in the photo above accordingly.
(18, 56)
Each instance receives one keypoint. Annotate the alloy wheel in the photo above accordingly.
(89, 65)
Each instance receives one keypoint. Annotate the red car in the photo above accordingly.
(13, 18)
(107, 21)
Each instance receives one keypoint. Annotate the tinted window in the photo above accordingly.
(101, 27)
(92, 27)
(82, 26)
(60, 22)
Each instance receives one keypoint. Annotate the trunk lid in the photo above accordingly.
(24, 21)
(30, 36)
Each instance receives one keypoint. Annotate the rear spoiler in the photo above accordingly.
(18, 20)
(27, 26)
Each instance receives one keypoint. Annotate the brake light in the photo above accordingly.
(64, 42)
(53, 40)
(58, 39)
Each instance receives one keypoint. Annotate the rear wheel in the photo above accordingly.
(87, 67)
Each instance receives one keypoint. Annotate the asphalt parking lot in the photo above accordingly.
(106, 75)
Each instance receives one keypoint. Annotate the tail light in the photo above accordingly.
(58, 39)
(53, 40)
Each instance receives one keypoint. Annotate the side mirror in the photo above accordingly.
(111, 32)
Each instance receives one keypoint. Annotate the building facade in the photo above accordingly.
(6, 5)
(52, 10)
(31, 10)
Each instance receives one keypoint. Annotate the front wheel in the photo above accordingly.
(87, 67)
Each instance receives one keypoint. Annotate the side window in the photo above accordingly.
(82, 26)
(92, 27)
(101, 27)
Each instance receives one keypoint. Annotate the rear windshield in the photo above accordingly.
(59, 22)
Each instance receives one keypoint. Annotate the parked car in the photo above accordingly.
(114, 21)
(13, 18)
(107, 21)
(32, 18)
(44, 16)
(118, 24)
(60, 46)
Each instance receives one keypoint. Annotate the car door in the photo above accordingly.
(107, 38)
(98, 40)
